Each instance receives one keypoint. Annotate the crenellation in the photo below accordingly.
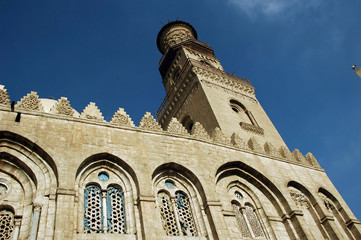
(254, 145)
(63, 107)
(122, 118)
(149, 122)
(219, 137)
(199, 132)
(4, 96)
(30, 102)
(176, 127)
(92, 112)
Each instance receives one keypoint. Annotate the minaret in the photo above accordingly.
(199, 90)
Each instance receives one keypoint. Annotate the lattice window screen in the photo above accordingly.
(167, 212)
(6, 224)
(93, 219)
(185, 215)
(241, 222)
(253, 221)
(115, 210)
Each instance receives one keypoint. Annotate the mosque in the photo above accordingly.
(209, 165)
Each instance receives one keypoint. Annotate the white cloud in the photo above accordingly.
(271, 8)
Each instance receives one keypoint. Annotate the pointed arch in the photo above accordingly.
(344, 224)
(114, 204)
(32, 180)
(277, 214)
(181, 200)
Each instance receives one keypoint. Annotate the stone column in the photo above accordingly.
(35, 222)
(216, 218)
(16, 231)
(300, 224)
(105, 217)
(152, 228)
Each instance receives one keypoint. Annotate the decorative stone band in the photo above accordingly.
(251, 128)
(224, 78)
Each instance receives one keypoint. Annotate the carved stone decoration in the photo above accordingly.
(219, 137)
(299, 198)
(251, 128)
(298, 156)
(122, 118)
(63, 107)
(271, 150)
(198, 131)
(30, 102)
(4, 96)
(92, 112)
(285, 153)
(148, 122)
(326, 201)
(312, 160)
(254, 145)
(237, 141)
(176, 127)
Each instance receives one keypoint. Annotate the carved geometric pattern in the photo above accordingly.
(219, 137)
(241, 221)
(4, 96)
(177, 36)
(167, 213)
(237, 141)
(271, 150)
(188, 227)
(254, 145)
(299, 198)
(176, 127)
(92, 112)
(63, 107)
(6, 224)
(93, 219)
(148, 122)
(122, 118)
(223, 78)
(251, 128)
(115, 210)
(199, 132)
(30, 102)
(285, 153)
(312, 160)
(253, 221)
(298, 156)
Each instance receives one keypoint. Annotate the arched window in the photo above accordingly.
(6, 224)
(188, 123)
(247, 219)
(245, 116)
(104, 210)
(176, 209)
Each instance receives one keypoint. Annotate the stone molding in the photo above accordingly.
(229, 91)
(223, 78)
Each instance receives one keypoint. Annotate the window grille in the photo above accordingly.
(94, 220)
(6, 224)
(93, 217)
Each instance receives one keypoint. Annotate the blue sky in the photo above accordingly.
(297, 53)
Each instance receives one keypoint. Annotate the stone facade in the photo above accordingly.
(214, 167)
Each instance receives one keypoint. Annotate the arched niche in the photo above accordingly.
(30, 176)
(107, 172)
